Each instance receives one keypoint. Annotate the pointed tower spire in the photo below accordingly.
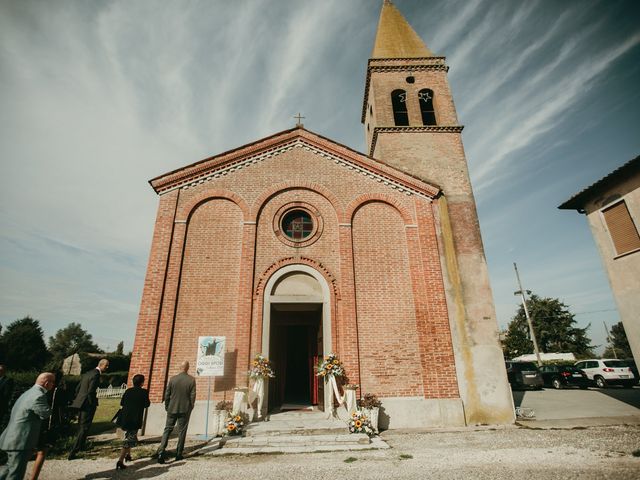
(396, 38)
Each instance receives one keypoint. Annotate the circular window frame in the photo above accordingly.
(316, 219)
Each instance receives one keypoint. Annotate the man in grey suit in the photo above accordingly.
(21, 435)
(86, 402)
(179, 399)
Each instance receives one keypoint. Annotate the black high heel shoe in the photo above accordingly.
(120, 465)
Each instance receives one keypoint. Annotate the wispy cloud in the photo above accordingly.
(299, 42)
(446, 32)
(541, 109)
(98, 97)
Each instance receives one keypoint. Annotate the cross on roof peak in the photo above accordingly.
(298, 118)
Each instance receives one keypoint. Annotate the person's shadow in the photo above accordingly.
(135, 470)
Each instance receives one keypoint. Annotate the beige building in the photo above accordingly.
(612, 206)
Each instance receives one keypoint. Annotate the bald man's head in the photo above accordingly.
(46, 380)
(185, 366)
(103, 365)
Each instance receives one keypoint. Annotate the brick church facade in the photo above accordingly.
(295, 246)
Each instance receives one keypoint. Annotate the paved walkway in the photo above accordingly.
(566, 404)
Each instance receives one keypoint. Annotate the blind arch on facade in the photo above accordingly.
(399, 105)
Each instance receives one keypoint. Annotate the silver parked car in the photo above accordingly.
(607, 371)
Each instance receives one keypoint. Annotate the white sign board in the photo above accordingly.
(210, 361)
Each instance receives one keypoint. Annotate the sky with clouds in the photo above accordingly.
(100, 96)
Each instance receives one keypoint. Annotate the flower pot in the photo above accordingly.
(240, 399)
(217, 422)
(350, 399)
(372, 415)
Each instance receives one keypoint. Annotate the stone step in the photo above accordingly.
(296, 440)
(289, 430)
(321, 443)
(297, 423)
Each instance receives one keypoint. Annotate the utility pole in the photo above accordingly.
(521, 292)
(609, 341)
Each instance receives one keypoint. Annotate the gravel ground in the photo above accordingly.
(519, 453)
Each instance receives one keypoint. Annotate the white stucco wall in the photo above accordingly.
(623, 270)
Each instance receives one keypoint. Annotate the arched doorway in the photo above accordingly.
(296, 332)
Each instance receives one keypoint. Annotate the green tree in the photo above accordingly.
(120, 348)
(554, 326)
(22, 345)
(71, 339)
(618, 341)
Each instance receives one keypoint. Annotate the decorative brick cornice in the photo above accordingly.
(418, 129)
(283, 262)
(215, 167)
(399, 65)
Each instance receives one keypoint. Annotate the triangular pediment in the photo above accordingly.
(269, 147)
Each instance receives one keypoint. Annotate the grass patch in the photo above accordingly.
(101, 424)
(636, 453)
(107, 408)
(350, 459)
(405, 456)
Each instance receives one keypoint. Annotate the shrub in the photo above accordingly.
(370, 400)
(224, 405)
(113, 378)
(117, 363)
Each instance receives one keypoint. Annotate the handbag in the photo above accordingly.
(117, 417)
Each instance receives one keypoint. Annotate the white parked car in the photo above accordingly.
(607, 371)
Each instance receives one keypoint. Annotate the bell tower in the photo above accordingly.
(411, 124)
(408, 112)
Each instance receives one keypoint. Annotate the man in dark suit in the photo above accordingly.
(6, 389)
(21, 435)
(179, 399)
(86, 402)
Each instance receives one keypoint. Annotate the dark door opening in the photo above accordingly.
(293, 349)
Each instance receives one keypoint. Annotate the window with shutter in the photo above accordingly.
(621, 228)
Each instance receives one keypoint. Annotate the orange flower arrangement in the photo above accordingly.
(236, 423)
(261, 368)
(359, 423)
(330, 366)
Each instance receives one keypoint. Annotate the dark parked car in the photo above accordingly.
(523, 375)
(560, 376)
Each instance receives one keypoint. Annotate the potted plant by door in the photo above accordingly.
(220, 416)
(370, 405)
(261, 370)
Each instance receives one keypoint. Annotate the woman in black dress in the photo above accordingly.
(133, 403)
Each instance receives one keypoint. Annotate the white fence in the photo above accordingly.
(111, 391)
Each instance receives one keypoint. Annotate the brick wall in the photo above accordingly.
(208, 295)
(378, 251)
(388, 340)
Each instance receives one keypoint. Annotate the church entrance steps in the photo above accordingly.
(294, 444)
(295, 432)
(297, 422)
